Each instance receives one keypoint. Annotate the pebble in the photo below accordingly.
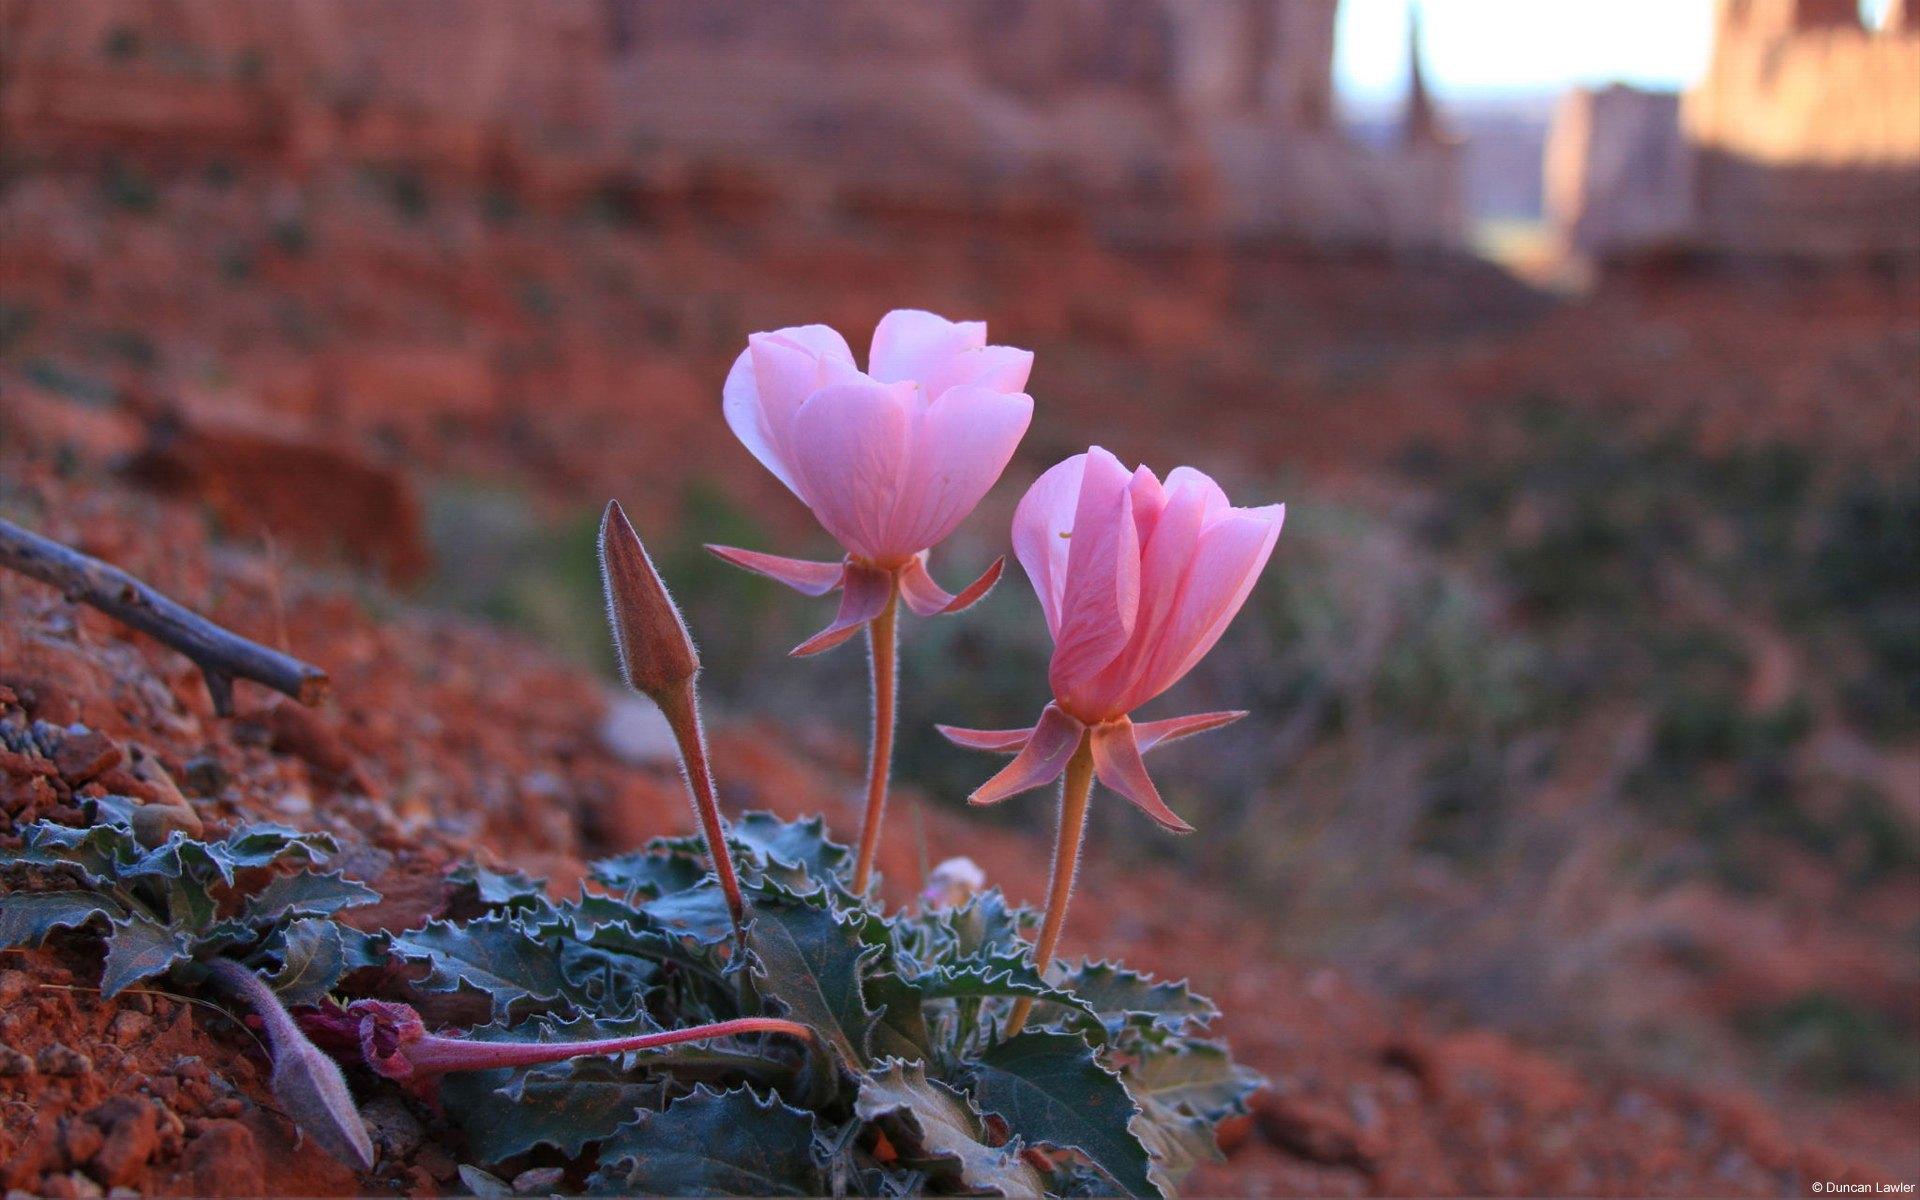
(62, 1059)
(13, 985)
(80, 1141)
(635, 732)
(396, 1131)
(13, 1063)
(206, 776)
(129, 1027)
(538, 1181)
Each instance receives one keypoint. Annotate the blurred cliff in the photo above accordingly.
(1802, 141)
(1162, 119)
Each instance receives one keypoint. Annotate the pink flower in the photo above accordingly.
(1138, 579)
(890, 460)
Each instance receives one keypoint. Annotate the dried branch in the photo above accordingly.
(220, 654)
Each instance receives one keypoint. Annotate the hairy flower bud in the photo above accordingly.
(657, 657)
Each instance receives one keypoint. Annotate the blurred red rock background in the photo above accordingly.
(1585, 725)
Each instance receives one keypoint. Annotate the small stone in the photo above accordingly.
(132, 1138)
(84, 755)
(538, 1181)
(13, 985)
(72, 1186)
(128, 1027)
(188, 1066)
(62, 1059)
(79, 1141)
(206, 775)
(224, 1160)
(227, 1106)
(395, 1131)
(13, 1063)
(635, 732)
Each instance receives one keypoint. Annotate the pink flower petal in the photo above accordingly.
(1102, 594)
(999, 368)
(996, 741)
(1042, 525)
(1117, 764)
(1039, 763)
(928, 599)
(807, 578)
(769, 381)
(867, 592)
(1148, 734)
(1227, 560)
(910, 344)
(850, 452)
(959, 447)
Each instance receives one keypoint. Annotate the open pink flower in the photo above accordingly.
(890, 460)
(1138, 579)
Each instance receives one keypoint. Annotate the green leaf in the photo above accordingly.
(502, 889)
(1050, 1088)
(307, 893)
(1185, 1089)
(986, 927)
(139, 947)
(1191, 1077)
(565, 1105)
(1123, 997)
(810, 961)
(699, 913)
(802, 844)
(931, 1121)
(312, 959)
(498, 955)
(26, 918)
(264, 844)
(97, 853)
(710, 1143)
(901, 1031)
(998, 978)
(650, 873)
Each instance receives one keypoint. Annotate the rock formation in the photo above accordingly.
(1161, 120)
(1802, 140)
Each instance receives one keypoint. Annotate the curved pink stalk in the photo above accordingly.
(432, 1054)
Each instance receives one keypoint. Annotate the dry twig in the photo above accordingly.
(221, 654)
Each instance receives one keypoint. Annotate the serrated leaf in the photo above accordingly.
(483, 1184)
(1001, 978)
(710, 1143)
(264, 844)
(502, 889)
(138, 947)
(180, 859)
(803, 844)
(1050, 1088)
(97, 853)
(1192, 1077)
(986, 927)
(498, 955)
(1120, 996)
(943, 1126)
(649, 873)
(699, 913)
(901, 1031)
(810, 961)
(565, 1105)
(312, 959)
(26, 918)
(307, 893)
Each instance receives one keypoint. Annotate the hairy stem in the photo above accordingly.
(883, 641)
(683, 715)
(1074, 791)
(434, 1055)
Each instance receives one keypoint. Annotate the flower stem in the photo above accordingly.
(683, 715)
(433, 1055)
(1074, 791)
(883, 642)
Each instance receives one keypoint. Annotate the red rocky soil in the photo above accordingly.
(445, 739)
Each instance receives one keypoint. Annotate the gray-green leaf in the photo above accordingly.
(138, 947)
(944, 1127)
(1049, 1088)
(26, 918)
(810, 961)
(497, 955)
(307, 893)
(713, 1144)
